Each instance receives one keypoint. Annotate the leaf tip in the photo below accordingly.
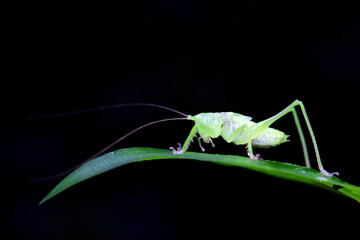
(42, 201)
(47, 197)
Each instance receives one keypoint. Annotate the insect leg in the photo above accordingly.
(249, 146)
(202, 149)
(302, 138)
(187, 142)
(258, 128)
(322, 170)
(212, 143)
(236, 133)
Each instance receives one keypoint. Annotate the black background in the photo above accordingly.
(250, 57)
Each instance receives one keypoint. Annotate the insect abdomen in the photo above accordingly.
(270, 137)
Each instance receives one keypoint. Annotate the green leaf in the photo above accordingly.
(124, 156)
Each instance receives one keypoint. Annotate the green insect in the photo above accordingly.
(232, 127)
(240, 130)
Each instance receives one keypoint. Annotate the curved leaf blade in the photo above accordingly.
(124, 156)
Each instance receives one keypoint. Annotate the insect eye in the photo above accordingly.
(198, 116)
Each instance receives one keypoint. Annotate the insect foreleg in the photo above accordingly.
(187, 142)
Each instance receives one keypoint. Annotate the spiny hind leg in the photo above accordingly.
(259, 127)
(301, 135)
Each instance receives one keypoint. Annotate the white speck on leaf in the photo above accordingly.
(322, 178)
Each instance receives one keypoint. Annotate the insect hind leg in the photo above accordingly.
(261, 126)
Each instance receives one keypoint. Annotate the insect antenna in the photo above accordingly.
(129, 133)
(65, 114)
(104, 149)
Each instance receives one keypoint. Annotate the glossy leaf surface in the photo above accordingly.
(124, 156)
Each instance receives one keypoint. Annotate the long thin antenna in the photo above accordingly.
(65, 114)
(104, 149)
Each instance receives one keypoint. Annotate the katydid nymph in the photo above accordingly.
(232, 127)
(240, 130)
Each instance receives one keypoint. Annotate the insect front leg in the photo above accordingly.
(184, 148)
